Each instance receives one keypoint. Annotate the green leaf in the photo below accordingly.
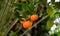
(12, 33)
(25, 7)
(24, 14)
(57, 5)
(17, 5)
(49, 23)
(51, 11)
(57, 14)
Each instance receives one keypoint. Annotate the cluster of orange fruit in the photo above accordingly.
(28, 23)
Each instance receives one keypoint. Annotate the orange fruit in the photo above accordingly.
(34, 17)
(29, 16)
(22, 22)
(27, 24)
(23, 19)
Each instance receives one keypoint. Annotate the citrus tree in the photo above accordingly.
(26, 17)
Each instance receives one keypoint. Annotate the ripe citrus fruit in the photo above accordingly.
(34, 17)
(22, 22)
(29, 16)
(23, 19)
(27, 24)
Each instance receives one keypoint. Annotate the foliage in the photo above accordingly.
(21, 9)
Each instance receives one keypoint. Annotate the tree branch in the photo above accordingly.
(11, 26)
(34, 25)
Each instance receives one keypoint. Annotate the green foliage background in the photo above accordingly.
(11, 11)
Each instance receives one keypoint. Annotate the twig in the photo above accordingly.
(11, 26)
(34, 25)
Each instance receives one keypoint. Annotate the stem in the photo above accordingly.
(11, 26)
(34, 25)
